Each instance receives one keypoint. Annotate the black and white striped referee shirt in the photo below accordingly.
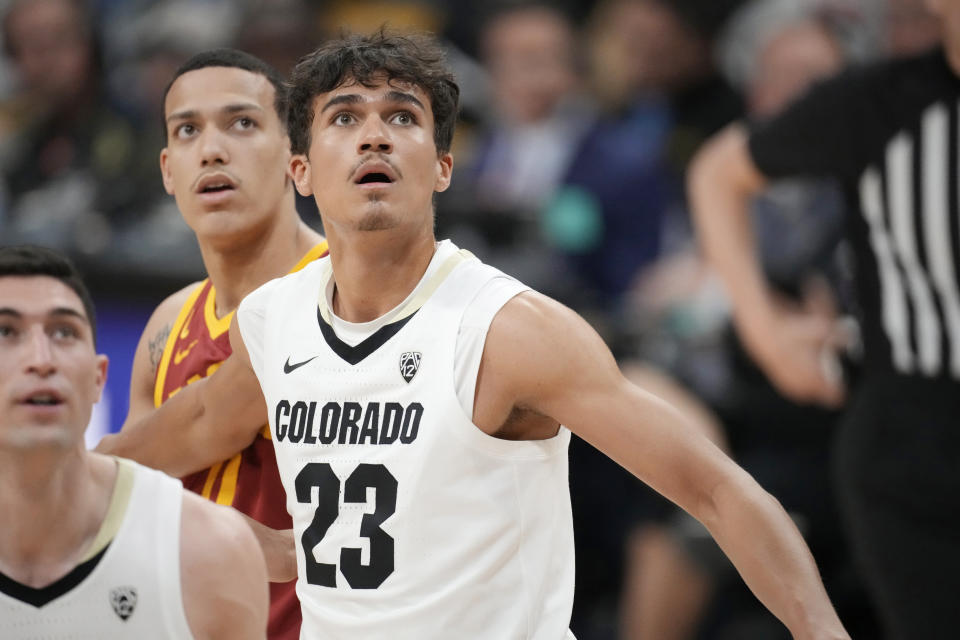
(889, 132)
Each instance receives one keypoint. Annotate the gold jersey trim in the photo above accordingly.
(122, 488)
(186, 311)
(416, 301)
(216, 326)
(219, 326)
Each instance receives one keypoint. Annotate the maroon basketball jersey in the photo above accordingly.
(249, 481)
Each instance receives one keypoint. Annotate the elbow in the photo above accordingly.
(730, 498)
(712, 169)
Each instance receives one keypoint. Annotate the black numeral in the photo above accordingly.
(321, 476)
(358, 575)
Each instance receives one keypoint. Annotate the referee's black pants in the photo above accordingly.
(897, 469)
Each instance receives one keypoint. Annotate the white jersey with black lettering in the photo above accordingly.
(410, 522)
(128, 588)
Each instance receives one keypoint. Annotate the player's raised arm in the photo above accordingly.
(222, 573)
(789, 345)
(204, 423)
(542, 357)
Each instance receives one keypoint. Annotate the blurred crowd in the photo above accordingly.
(579, 119)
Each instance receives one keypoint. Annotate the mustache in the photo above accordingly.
(375, 157)
(222, 172)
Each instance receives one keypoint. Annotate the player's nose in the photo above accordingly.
(213, 148)
(374, 136)
(39, 356)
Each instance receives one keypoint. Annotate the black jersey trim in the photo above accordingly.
(40, 597)
(355, 354)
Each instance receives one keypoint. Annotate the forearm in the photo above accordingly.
(763, 543)
(722, 186)
(278, 550)
(173, 438)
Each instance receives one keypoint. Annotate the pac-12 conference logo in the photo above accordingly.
(123, 600)
(409, 363)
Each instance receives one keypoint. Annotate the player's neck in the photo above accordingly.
(238, 269)
(376, 271)
(53, 504)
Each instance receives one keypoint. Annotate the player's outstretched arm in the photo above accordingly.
(204, 423)
(542, 357)
(792, 347)
(222, 573)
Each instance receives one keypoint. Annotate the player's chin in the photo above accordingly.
(377, 220)
(39, 434)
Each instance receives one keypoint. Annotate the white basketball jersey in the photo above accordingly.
(131, 589)
(410, 522)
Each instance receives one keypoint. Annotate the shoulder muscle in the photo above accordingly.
(150, 348)
(538, 349)
(223, 573)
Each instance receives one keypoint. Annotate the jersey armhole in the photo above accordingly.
(170, 573)
(472, 335)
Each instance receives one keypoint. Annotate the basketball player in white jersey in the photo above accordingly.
(421, 402)
(93, 546)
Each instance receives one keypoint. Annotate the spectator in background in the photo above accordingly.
(529, 51)
(522, 149)
(149, 40)
(69, 167)
(659, 95)
(279, 32)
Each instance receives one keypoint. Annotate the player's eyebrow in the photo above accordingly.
(68, 312)
(404, 97)
(56, 311)
(346, 98)
(391, 96)
(188, 114)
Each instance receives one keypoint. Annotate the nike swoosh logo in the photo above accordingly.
(288, 368)
(185, 331)
(183, 353)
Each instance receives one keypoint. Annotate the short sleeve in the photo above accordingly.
(819, 135)
(251, 320)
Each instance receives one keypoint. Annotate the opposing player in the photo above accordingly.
(416, 396)
(93, 546)
(226, 164)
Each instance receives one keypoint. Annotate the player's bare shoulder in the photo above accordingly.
(222, 572)
(537, 352)
(149, 353)
(534, 339)
(161, 322)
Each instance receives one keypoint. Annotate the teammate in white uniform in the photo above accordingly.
(91, 546)
(416, 398)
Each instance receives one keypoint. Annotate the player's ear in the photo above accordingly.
(165, 171)
(101, 377)
(444, 172)
(300, 171)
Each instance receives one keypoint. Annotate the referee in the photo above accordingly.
(889, 134)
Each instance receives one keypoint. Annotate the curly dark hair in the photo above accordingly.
(416, 59)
